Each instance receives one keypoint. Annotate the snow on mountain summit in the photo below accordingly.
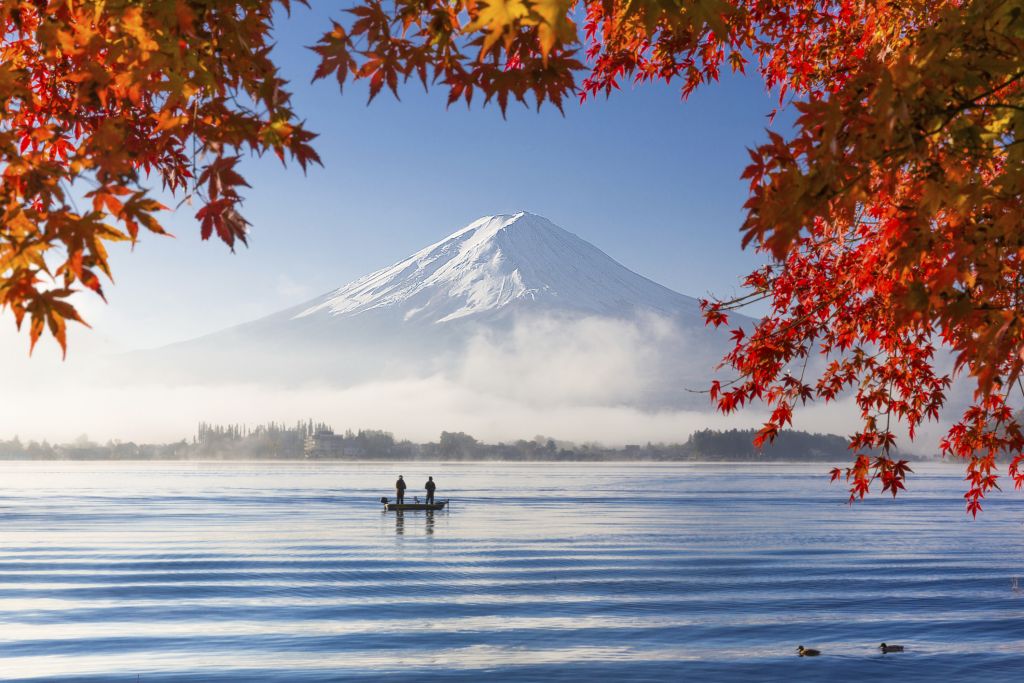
(493, 263)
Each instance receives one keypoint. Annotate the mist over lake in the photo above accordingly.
(539, 571)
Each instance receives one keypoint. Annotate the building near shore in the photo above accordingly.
(324, 443)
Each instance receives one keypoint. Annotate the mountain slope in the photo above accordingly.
(510, 303)
(498, 261)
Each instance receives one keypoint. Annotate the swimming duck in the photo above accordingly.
(886, 649)
(806, 651)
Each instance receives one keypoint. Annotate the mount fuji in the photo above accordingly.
(503, 297)
(498, 264)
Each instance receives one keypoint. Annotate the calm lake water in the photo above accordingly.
(291, 572)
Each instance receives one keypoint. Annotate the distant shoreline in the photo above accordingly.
(317, 442)
(372, 461)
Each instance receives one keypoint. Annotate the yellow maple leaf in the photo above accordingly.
(553, 23)
(133, 23)
(499, 18)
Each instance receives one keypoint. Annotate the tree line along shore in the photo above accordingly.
(311, 440)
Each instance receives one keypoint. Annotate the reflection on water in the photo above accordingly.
(260, 572)
(427, 515)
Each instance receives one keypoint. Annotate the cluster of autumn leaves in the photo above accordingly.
(101, 100)
(893, 220)
(891, 215)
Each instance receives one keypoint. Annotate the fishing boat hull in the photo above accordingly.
(402, 507)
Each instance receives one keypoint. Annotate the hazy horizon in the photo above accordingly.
(585, 378)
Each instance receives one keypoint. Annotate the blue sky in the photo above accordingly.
(648, 178)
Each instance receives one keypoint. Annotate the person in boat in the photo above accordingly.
(430, 486)
(400, 490)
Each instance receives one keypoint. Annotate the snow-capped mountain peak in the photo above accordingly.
(496, 262)
(509, 302)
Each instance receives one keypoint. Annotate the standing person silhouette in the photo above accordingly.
(430, 486)
(400, 490)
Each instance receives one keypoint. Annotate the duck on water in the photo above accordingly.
(811, 652)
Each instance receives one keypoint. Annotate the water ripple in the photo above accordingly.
(273, 572)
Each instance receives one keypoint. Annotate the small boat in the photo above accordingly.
(401, 507)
